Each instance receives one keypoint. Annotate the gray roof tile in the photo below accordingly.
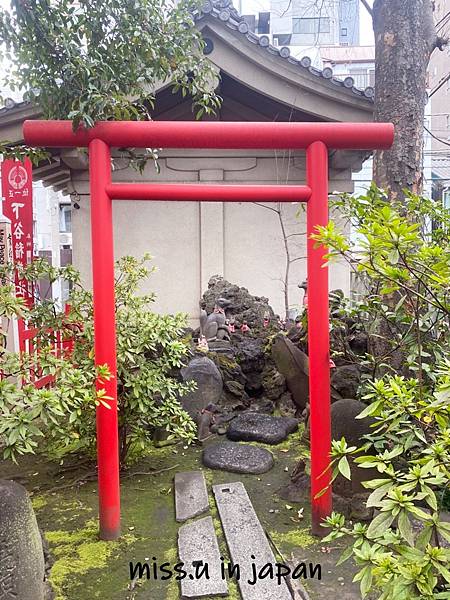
(224, 11)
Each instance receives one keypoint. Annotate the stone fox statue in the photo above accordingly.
(213, 327)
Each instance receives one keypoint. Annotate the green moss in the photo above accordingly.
(173, 588)
(38, 502)
(224, 360)
(297, 538)
(77, 553)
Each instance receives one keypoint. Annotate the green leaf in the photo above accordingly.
(366, 581)
(375, 497)
(380, 524)
(404, 526)
(348, 552)
(344, 467)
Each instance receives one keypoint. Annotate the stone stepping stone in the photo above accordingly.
(22, 568)
(237, 458)
(191, 496)
(197, 544)
(258, 427)
(246, 538)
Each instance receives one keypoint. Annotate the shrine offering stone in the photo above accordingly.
(345, 424)
(22, 568)
(204, 372)
(294, 365)
(258, 427)
(237, 458)
(346, 380)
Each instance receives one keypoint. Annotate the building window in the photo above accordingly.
(65, 218)
(311, 26)
(446, 198)
(344, 31)
(264, 22)
(282, 39)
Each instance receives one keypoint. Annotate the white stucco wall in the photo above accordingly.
(191, 241)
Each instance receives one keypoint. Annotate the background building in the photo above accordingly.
(305, 24)
(439, 84)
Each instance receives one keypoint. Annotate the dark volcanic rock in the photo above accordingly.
(359, 343)
(346, 380)
(286, 406)
(293, 364)
(262, 405)
(274, 383)
(258, 427)
(345, 424)
(250, 355)
(243, 306)
(237, 458)
(204, 372)
(22, 568)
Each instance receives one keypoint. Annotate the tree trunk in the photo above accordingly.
(405, 37)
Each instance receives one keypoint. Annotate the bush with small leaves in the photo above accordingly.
(403, 258)
(61, 420)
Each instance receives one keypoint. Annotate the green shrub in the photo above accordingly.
(402, 257)
(150, 350)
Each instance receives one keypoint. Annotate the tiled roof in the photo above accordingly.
(12, 104)
(224, 11)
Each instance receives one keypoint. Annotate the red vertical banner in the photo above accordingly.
(17, 191)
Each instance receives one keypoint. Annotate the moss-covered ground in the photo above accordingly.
(85, 568)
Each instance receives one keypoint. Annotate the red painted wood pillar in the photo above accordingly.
(105, 338)
(318, 338)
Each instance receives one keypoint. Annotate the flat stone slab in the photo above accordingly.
(258, 427)
(191, 496)
(197, 545)
(237, 458)
(247, 543)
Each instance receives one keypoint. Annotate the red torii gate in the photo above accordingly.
(316, 139)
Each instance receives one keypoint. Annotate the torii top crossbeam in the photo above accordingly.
(212, 134)
(316, 139)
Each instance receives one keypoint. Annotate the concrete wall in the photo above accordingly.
(191, 241)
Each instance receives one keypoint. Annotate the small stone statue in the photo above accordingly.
(202, 344)
(304, 286)
(232, 325)
(244, 327)
(213, 327)
(266, 320)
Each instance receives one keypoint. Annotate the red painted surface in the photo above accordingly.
(105, 338)
(318, 337)
(212, 134)
(17, 190)
(195, 192)
(317, 138)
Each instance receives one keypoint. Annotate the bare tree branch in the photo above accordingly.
(268, 207)
(293, 234)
